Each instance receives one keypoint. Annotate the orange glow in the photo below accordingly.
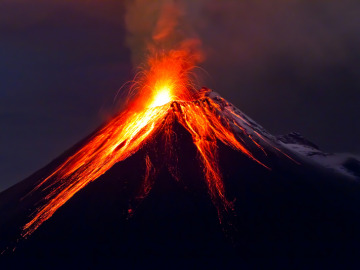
(119, 139)
(162, 97)
(163, 94)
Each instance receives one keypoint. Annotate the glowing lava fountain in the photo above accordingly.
(160, 96)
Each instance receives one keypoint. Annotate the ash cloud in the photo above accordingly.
(159, 25)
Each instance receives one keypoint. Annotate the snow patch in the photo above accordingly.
(343, 163)
(338, 162)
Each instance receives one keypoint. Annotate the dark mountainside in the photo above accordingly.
(293, 214)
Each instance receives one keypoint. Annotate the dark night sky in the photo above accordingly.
(290, 65)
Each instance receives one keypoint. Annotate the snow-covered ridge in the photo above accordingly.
(344, 163)
(242, 119)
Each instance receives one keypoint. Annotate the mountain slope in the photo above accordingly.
(295, 209)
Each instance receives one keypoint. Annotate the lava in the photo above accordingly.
(163, 93)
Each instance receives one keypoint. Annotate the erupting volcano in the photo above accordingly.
(164, 95)
(180, 172)
(144, 181)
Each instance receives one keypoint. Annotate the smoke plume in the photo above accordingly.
(155, 26)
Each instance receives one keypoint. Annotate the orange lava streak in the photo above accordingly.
(119, 139)
(163, 95)
(148, 179)
(125, 134)
(204, 123)
(200, 118)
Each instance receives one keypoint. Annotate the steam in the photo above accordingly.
(160, 26)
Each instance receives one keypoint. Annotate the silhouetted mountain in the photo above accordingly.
(303, 210)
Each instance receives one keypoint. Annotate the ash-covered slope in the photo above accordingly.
(297, 209)
(343, 163)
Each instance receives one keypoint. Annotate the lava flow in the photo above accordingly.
(164, 95)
